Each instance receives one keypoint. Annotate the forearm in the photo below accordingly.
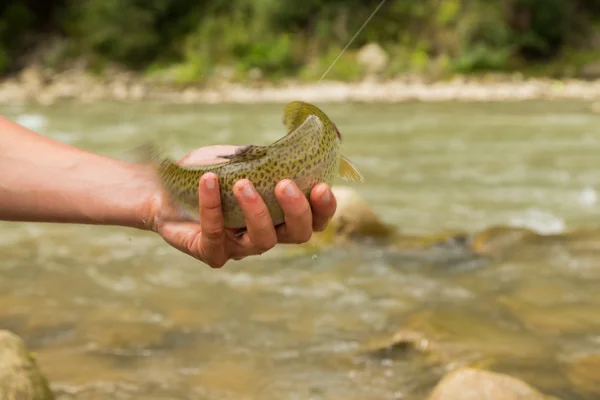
(43, 180)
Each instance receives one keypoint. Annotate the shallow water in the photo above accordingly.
(115, 313)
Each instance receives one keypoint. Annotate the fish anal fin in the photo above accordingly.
(246, 153)
(348, 171)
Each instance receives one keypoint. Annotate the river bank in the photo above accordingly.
(34, 85)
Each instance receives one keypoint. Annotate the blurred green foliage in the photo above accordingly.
(185, 41)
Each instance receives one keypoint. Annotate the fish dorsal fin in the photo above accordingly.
(295, 113)
(311, 125)
(246, 153)
(348, 171)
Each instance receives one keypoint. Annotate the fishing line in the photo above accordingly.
(354, 37)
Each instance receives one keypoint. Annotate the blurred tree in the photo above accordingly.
(282, 37)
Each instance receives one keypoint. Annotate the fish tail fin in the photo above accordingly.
(148, 153)
(153, 155)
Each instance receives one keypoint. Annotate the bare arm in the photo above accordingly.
(47, 181)
(42, 180)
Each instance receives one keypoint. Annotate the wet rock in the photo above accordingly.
(576, 248)
(555, 319)
(354, 220)
(373, 58)
(20, 378)
(445, 241)
(499, 242)
(580, 243)
(450, 336)
(400, 344)
(474, 384)
(584, 374)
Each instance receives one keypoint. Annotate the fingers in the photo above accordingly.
(215, 245)
(323, 206)
(298, 214)
(261, 231)
(212, 242)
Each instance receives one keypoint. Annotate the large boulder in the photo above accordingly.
(20, 378)
(474, 384)
(354, 219)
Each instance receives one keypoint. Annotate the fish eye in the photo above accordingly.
(338, 132)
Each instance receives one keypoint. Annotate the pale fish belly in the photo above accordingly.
(233, 216)
(306, 178)
(232, 213)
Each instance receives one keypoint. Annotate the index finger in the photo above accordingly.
(212, 243)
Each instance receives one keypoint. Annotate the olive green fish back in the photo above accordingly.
(307, 154)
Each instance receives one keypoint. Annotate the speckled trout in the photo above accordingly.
(308, 154)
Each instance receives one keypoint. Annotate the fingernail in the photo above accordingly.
(210, 182)
(326, 196)
(248, 190)
(289, 189)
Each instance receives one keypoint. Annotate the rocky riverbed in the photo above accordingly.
(475, 356)
(35, 84)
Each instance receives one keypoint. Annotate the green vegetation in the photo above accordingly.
(184, 41)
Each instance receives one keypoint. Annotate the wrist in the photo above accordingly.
(136, 200)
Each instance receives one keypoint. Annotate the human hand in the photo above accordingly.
(215, 245)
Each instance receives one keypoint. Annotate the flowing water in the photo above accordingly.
(116, 314)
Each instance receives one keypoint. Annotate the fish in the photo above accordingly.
(308, 154)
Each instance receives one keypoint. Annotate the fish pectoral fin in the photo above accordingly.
(246, 153)
(348, 171)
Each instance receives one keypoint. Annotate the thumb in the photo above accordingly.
(184, 236)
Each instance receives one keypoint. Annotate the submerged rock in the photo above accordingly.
(555, 319)
(499, 242)
(20, 378)
(400, 344)
(474, 384)
(449, 336)
(584, 374)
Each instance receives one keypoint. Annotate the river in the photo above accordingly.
(115, 313)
